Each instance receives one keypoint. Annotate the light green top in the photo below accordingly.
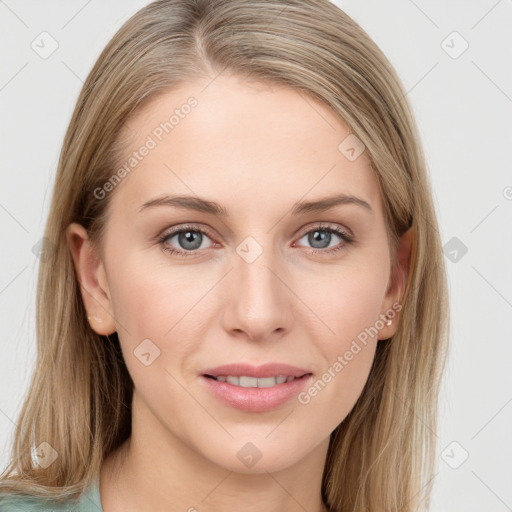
(89, 501)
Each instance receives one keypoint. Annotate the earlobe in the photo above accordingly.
(91, 277)
(400, 273)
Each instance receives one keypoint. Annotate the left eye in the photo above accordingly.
(322, 235)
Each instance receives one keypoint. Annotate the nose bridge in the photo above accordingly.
(255, 272)
(259, 304)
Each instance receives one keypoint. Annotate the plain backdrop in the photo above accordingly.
(454, 60)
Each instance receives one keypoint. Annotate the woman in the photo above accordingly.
(245, 301)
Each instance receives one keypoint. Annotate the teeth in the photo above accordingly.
(254, 382)
(233, 380)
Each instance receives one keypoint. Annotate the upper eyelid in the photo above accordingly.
(174, 231)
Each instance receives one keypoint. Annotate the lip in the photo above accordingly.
(265, 370)
(256, 399)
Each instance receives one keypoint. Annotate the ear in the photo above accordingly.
(92, 279)
(397, 284)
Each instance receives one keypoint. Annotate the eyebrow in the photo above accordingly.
(213, 208)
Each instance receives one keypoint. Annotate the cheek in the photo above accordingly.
(347, 300)
(348, 304)
(161, 303)
(152, 307)
(335, 390)
(149, 299)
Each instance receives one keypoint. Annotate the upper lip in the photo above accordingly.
(265, 370)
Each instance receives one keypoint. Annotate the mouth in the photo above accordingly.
(255, 394)
(252, 388)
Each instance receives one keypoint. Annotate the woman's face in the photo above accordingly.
(263, 282)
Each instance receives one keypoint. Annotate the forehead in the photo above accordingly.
(239, 142)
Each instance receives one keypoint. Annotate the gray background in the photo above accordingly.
(463, 104)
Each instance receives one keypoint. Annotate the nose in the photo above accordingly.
(260, 302)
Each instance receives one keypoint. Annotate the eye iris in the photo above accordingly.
(324, 235)
(185, 236)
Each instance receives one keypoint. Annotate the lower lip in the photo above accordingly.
(256, 399)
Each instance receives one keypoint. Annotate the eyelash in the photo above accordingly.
(321, 227)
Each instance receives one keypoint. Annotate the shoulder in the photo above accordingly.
(89, 501)
(17, 503)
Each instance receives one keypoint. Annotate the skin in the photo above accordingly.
(256, 150)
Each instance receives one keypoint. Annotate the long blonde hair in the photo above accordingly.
(382, 456)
